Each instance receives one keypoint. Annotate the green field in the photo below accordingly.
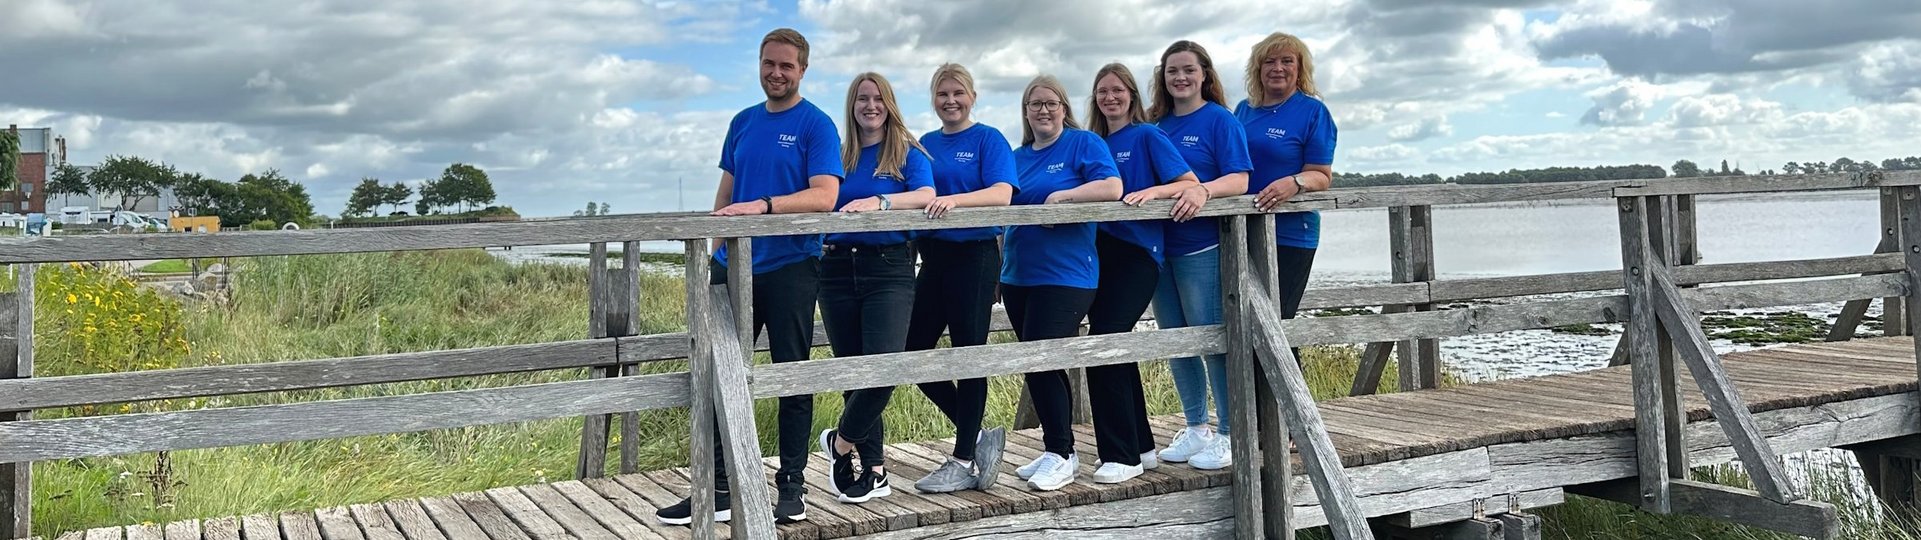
(287, 308)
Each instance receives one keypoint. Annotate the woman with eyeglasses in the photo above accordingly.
(1049, 272)
(867, 279)
(973, 167)
(1191, 106)
(1130, 258)
(1291, 136)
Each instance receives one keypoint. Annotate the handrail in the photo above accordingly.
(685, 226)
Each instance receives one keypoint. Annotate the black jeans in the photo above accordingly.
(1293, 264)
(866, 295)
(955, 294)
(1049, 312)
(784, 307)
(1128, 277)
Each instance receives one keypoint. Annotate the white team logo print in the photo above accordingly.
(788, 141)
(1121, 157)
(1057, 167)
(1276, 133)
(1190, 140)
(964, 157)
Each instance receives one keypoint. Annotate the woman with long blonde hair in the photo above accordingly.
(1130, 255)
(867, 279)
(1191, 106)
(954, 294)
(1049, 272)
(1291, 137)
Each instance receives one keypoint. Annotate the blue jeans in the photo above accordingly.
(1189, 294)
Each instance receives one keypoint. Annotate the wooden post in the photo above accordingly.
(1893, 323)
(16, 362)
(592, 460)
(629, 302)
(1411, 230)
(733, 397)
(1640, 339)
(1277, 475)
(1249, 522)
(1666, 236)
(1910, 202)
(740, 283)
(700, 367)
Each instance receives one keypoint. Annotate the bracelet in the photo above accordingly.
(770, 203)
(1298, 183)
(884, 203)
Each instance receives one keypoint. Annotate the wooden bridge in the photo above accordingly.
(1460, 462)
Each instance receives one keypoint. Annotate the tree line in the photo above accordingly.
(267, 196)
(460, 185)
(1681, 169)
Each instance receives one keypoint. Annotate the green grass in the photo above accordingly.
(287, 308)
(169, 266)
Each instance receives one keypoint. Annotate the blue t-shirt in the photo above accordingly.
(965, 162)
(1145, 158)
(773, 154)
(1063, 254)
(863, 182)
(1283, 139)
(1215, 145)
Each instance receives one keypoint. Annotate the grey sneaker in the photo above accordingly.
(987, 457)
(949, 478)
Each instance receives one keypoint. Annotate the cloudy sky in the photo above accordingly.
(623, 100)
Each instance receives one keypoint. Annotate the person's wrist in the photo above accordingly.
(1299, 184)
(769, 201)
(885, 204)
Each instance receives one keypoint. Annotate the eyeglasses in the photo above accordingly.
(1049, 106)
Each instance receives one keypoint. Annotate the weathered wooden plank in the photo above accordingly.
(105, 533)
(184, 530)
(75, 535)
(629, 306)
(1030, 449)
(147, 531)
(598, 508)
(488, 516)
(16, 363)
(76, 390)
(1770, 184)
(1237, 284)
(639, 227)
(1188, 514)
(1806, 518)
(527, 515)
(1520, 526)
(704, 424)
(1367, 378)
(563, 511)
(1411, 233)
(1692, 344)
(836, 374)
(1319, 457)
(1910, 202)
(1640, 338)
(228, 528)
(414, 523)
(374, 522)
(41, 440)
(964, 505)
(1456, 290)
(635, 506)
(591, 460)
(260, 527)
(753, 515)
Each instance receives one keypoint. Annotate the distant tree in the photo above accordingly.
(432, 196)
(1686, 169)
(465, 185)
(9, 159)
(68, 180)
(272, 196)
(421, 207)
(367, 195)
(1791, 168)
(604, 209)
(1845, 165)
(202, 196)
(589, 212)
(396, 195)
(132, 178)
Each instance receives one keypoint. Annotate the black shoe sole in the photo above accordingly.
(720, 516)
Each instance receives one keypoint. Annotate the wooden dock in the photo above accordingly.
(1483, 449)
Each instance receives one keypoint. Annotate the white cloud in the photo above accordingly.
(1623, 104)
(1720, 110)
(1374, 157)
(1426, 128)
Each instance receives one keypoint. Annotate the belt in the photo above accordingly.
(856, 249)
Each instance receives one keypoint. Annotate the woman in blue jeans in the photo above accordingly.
(1190, 105)
(867, 279)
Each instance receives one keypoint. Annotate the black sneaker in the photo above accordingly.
(682, 513)
(790, 508)
(870, 485)
(843, 471)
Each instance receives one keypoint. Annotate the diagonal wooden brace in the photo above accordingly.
(1723, 399)
(753, 515)
(1304, 422)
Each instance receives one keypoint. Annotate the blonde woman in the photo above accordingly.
(1191, 106)
(867, 279)
(1291, 137)
(954, 294)
(1049, 273)
(1130, 256)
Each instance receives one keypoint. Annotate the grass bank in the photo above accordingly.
(287, 308)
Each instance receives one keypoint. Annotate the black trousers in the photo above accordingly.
(866, 295)
(784, 308)
(1128, 277)
(1049, 312)
(955, 294)
(1293, 264)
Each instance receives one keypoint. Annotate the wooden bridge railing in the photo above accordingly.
(720, 385)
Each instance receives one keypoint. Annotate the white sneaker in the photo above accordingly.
(1054, 471)
(1115, 473)
(1187, 442)
(1219, 454)
(1150, 460)
(1027, 471)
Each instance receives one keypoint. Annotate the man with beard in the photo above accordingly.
(781, 156)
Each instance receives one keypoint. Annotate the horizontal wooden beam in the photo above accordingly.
(1456, 290)
(1771, 184)
(66, 438)
(1812, 519)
